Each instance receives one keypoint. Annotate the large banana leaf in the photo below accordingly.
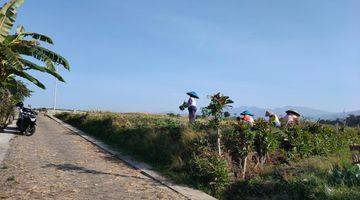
(12, 59)
(20, 29)
(8, 14)
(56, 58)
(40, 53)
(10, 82)
(30, 78)
(13, 47)
(34, 66)
(38, 36)
(26, 48)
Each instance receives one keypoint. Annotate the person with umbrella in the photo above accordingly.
(292, 117)
(192, 105)
(247, 117)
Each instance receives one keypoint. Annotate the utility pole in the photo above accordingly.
(55, 90)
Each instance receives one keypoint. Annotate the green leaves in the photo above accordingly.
(20, 29)
(183, 106)
(15, 64)
(8, 14)
(34, 66)
(12, 59)
(217, 104)
(56, 58)
(38, 36)
(14, 47)
(28, 48)
(17, 89)
(29, 78)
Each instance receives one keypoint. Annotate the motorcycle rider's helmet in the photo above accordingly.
(20, 105)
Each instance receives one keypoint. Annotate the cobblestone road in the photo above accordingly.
(57, 164)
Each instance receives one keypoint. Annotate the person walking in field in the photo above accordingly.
(273, 119)
(247, 117)
(192, 106)
(292, 117)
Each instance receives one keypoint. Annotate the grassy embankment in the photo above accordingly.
(313, 164)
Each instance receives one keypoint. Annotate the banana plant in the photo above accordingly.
(14, 48)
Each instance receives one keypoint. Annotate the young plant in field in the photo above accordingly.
(217, 104)
(205, 112)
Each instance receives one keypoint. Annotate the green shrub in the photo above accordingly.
(347, 175)
(209, 172)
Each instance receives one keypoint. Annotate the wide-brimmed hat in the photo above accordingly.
(193, 94)
(294, 112)
(246, 112)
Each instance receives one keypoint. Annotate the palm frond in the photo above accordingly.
(20, 29)
(8, 14)
(34, 66)
(9, 82)
(9, 39)
(56, 58)
(26, 48)
(12, 58)
(30, 78)
(38, 36)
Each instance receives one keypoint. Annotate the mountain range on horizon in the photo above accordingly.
(306, 112)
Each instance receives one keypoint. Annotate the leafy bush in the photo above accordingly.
(305, 182)
(311, 139)
(351, 120)
(347, 175)
(209, 172)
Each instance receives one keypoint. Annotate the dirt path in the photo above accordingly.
(57, 164)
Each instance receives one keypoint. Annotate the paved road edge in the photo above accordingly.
(5, 139)
(145, 169)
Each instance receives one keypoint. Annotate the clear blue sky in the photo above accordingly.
(130, 55)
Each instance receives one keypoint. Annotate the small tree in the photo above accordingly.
(215, 108)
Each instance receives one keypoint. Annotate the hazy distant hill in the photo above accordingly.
(258, 112)
(304, 111)
(342, 115)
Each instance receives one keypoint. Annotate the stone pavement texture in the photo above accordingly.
(56, 163)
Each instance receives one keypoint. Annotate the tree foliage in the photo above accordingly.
(16, 91)
(351, 120)
(218, 103)
(20, 53)
(14, 48)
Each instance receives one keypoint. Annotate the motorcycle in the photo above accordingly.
(26, 122)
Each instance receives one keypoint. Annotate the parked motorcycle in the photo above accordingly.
(26, 122)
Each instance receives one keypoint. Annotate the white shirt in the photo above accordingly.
(192, 102)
